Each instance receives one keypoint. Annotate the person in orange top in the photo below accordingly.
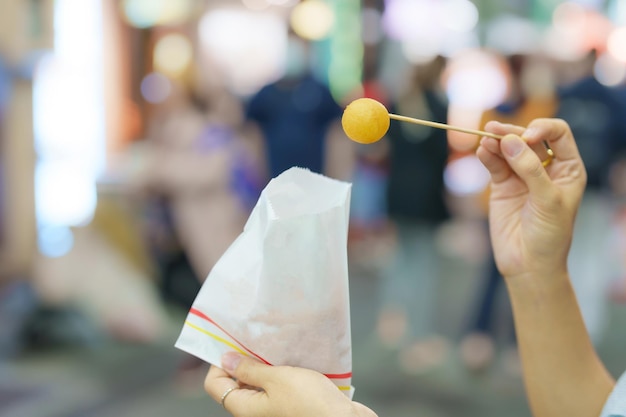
(525, 102)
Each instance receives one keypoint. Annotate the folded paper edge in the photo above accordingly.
(276, 186)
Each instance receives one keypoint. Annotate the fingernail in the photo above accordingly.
(230, 361)
(512, 145)
(530, 133)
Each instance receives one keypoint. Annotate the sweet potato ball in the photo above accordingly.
(365, 120)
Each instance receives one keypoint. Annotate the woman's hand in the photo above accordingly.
(532, 208)
(277, 391)
(532, 213)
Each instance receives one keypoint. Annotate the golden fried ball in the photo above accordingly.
(365, 120)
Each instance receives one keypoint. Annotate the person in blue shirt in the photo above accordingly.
(294, 114)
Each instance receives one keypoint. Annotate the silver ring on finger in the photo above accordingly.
(225, 394)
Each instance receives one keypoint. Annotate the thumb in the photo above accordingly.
(246, 370)
(526, 164)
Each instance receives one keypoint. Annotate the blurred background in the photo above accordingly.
(136, 136)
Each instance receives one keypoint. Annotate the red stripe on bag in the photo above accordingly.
(339, 376)
(207, 318)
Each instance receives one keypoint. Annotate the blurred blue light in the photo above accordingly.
(55, 241)
(69, 126)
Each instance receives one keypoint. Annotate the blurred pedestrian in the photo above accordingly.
(523, 103)
(298, 118)
(595, 114)
(415, 199)
(206, 181)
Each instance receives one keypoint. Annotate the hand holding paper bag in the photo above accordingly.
(280, 292)
(285, 391)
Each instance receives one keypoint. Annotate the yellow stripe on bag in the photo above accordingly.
(238, 349)
(216, 337)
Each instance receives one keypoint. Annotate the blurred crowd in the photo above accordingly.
(177, 195)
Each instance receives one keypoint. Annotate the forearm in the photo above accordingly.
(562, 372)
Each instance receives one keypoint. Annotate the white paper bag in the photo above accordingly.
(280, 291)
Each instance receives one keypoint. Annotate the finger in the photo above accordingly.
(247, 370)
(558, 136)
(491, 144)
(243, 402)
(541, 150)
(492, 159)
(526, 164)
(503, 128)
(240, 400)
(217, 382)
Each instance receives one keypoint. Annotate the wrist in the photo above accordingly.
(542, 272)
(540, 283)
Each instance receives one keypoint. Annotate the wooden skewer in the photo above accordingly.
(545, 162)
(442, 126)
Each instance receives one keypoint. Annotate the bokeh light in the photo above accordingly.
(570, 17)
(69, 124)
(617, 12)
(147, 13)
(466, 117)
(312, 19)
(156, 88)
(256, 4)
(173, 54)
(408, 19)
(71, 204)
(175, 12)
(421, 49)
(284, 3)
(599, 28)
(55, 241)
(405, 19)
(142, 13)
(617, 44)
(458, 15)
(427, 28)
(609, 71)
(466, 176)
(575, 31)
(510, 34)
(457, 42)
(476, 80)
(246, 48)
(566, 37)
(345, 68)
